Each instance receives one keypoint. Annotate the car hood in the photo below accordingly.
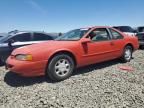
(45, 46)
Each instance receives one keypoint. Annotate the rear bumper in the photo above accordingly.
(26, 68)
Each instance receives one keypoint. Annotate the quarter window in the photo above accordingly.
(116, 35)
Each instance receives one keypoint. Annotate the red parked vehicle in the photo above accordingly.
(58, 58)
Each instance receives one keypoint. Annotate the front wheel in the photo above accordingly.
(127, 54)
(60, 67)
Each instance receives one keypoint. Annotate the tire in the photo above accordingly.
(60, 67)
(127, 54)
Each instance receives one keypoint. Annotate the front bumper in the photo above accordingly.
(26, 68)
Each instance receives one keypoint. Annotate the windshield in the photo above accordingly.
(141, 29)
(73, 35)
(2, 38)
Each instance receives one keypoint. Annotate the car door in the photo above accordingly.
(101, 47)
(118, 42)
(18, 41)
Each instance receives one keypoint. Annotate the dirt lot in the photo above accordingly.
(102, 85)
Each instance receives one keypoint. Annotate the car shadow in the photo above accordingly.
(93, 67)
(2, 64)
(141, 48)
(15, 80)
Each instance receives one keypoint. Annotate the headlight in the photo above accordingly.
(24, 57)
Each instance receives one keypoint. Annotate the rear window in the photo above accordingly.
(20, 38)
(41, 37)
(126, 29)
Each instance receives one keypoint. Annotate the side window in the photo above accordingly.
(100, 34)
(41, 37)
(115, 34)
(21, 37)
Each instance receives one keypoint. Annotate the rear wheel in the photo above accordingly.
(60, 67)
(127, 54)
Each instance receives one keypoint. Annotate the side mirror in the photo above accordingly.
(10, 42)
(86, 40)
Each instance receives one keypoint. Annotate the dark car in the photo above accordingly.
(140, 29)
(14, 40)
(140, 36)
(126, 29)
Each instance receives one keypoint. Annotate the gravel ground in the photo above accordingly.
(97, 86)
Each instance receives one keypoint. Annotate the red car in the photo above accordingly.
(58, 58)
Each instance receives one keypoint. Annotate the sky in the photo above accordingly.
(64, 15)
